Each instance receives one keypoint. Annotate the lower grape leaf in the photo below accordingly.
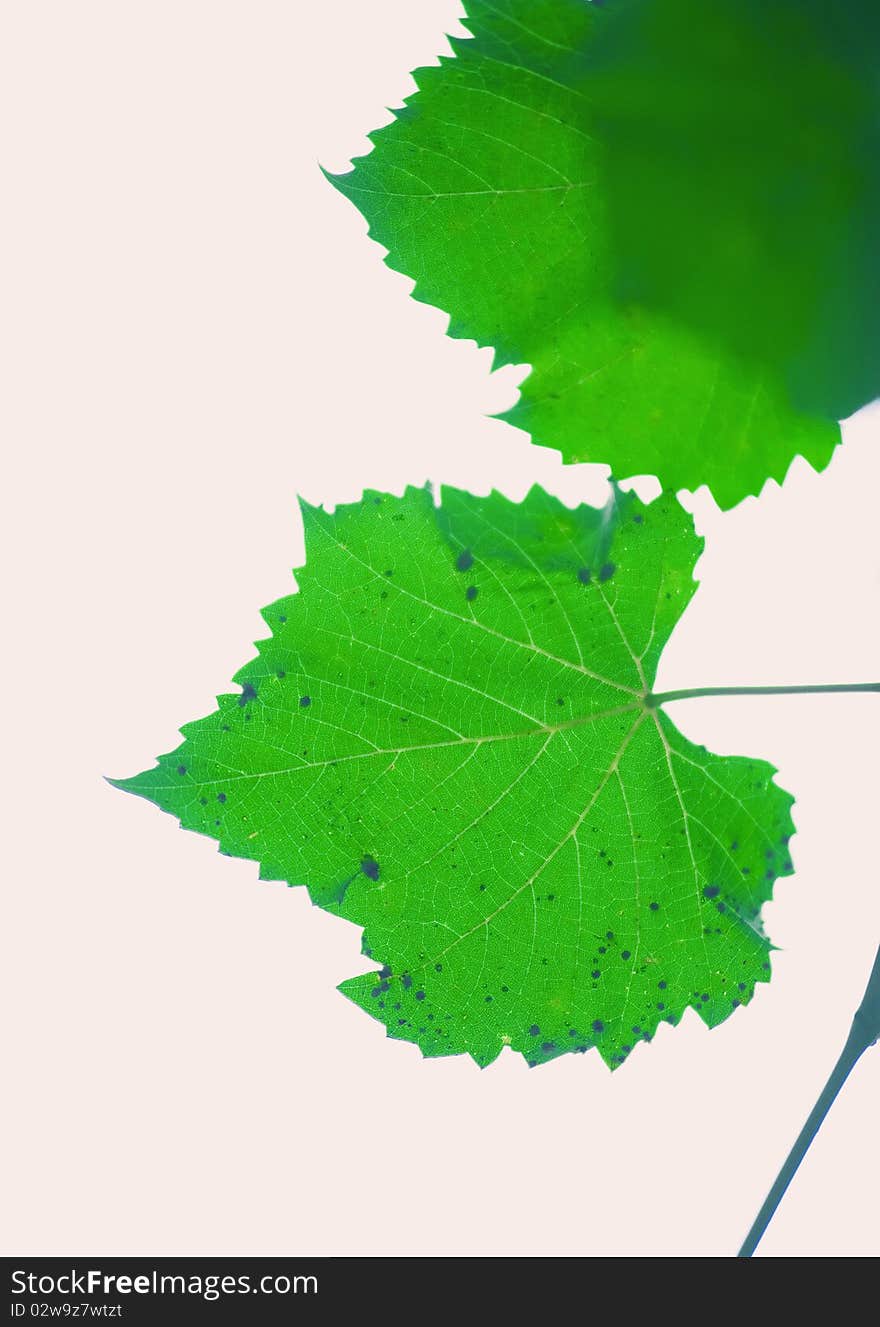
(449, 738)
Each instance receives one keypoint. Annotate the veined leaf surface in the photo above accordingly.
(449, 739)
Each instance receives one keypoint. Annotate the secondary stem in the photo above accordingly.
(690, 693)
(864, 1032)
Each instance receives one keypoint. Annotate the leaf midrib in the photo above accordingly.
(539, 730)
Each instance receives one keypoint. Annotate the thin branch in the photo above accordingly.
(864, 1032)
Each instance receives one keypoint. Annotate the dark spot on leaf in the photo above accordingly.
(420, 995)
(305, 702)
(711, 891)
(584, 575)
(653, 906)
(624, 953)
(465, 560)
(471, 593)
(598, 1025)
(248, 692)
(406, 979)
(221, 797)
(607, 571)
(370, 868)
(534, 1030)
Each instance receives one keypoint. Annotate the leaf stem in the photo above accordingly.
(864, 1032)
(653, 699)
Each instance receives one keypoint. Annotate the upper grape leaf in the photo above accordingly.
(487, 189)
(449, 739)
(748, 133)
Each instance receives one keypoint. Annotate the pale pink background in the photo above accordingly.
(195, 329)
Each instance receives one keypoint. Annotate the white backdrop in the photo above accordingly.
(195, 329)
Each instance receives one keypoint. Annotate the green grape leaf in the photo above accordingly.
(487, 189)
(449, 739)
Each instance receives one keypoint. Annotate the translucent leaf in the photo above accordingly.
(448, 738)
(488, 189)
